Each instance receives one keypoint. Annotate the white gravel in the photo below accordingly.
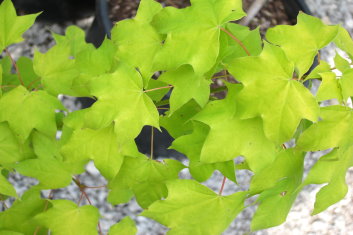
(337, 220)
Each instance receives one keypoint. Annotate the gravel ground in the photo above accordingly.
(338, 219)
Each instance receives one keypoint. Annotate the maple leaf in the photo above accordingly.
(192, 208)
(126, 226)
(270, 92)
(194, 31)
(331, 169)
(11, 150)
(137, 41)
(75, 38)
(6, 188)
(187, 85)
(122, 100)
(25, 111)
(50, 172)
(56, 69)
(344, 41)
(334, 130)
(329, 88)
(178, 123)
(65, 217)
(277, 185)
(307, 37)
(12, 26)
(19, 217)
(146, 181)
(102, 146)
(191, 145)
(230, 136)
(25, 68)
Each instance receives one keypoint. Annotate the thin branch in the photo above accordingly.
(4, 86)
(158, 88)
(32, 83)
(16, 67)
(218, 89)
(50, 196)
(80, 199)
(89, 201)
(221, 76)
(102, 186)
(222, 187)
(237, 40)
(162, 102)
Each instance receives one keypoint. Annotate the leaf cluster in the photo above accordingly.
(270, 117)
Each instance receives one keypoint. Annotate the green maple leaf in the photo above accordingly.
(0, 80)
(334, 130)
(25, 111)
(305, 39)
(341, 63)
(346, 83)
(187, 85)
(91, 63)
(277, 185)
(50, 172)
(330, 169)
(45, 146)
(6, 188)
(191, 145)
(230, 49)
(192, 208)
(270, 91)
(125, 227)
(178, 123)
(194, 31)
(344, 41)
(19, 217)
(330, 87)
(122, 100)
(322, 67)
(75, 38)
(158, 94)
(56, 69)
(11, 150)
(146, 181)
(12, 26)
(65, 217)
(102, 146)
(25, 67)
(137, 41)
(230, 136)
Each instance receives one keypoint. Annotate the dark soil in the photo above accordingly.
(273, 12)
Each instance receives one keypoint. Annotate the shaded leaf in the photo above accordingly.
(146, 181)
(192, 208)
(65, 217)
